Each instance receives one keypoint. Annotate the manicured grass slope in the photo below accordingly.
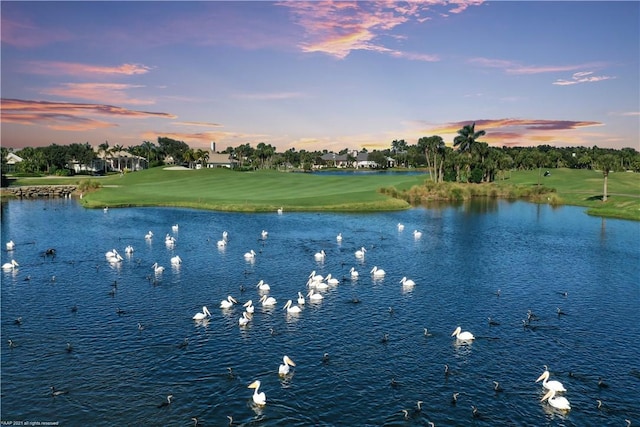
(251, 191)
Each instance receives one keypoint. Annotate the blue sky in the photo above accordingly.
(320, 75)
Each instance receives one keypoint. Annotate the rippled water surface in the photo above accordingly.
(493, 259)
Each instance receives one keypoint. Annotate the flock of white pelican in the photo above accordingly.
(315, 285)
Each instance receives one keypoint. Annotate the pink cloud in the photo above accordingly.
(79, 69)
(66, 116)
(112, 93)
(338, 28)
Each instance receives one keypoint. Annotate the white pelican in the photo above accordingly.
(559, 402)
(175, 228)
(263, 286)
(280, 210)
(10, 265)
(245, 319)
(268, 301)
(110, 254)
(149, 235)
(157, 268)
(250, 255)
(293, 309)
(377, 272)
(400, 226)
(248, 306)
(258, 398)
(128, 249)
(354, 273)
(550, 385)
(205, 313)
(313, 277)
(407, 283)
(106, 209)
(10, 245)
(301, 300)
(176, 260)
(225, 235)
(313, 297)
(321, 285)
(417, 234)
(464, 336)
(264, 234)
(339, 237)
(319, 256)
(169, 240)
(332, 281)
(228, 303)
(222, 243)
(286, 362)
(360, 253)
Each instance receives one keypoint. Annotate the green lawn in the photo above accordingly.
(263, 191)
(582, 187)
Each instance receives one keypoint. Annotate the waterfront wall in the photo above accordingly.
(37, 191)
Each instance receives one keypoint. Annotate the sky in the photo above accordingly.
(315, 75)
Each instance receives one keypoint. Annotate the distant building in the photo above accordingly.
(221, 160)
(12, 162)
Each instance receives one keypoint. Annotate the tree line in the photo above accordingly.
(468, 160)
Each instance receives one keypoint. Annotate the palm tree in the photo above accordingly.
(606, 162)
(104, 149)
(148, 147)
(189, 156)
(116, 151)
(202, 156)
(466, 140)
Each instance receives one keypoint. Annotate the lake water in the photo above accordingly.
(489, 259)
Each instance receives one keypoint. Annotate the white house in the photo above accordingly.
(12, 162)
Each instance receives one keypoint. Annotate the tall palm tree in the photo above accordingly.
(116, 152)
(466, 140)
(104, 149)
(149, 147)
(189, 156)
(607, 163)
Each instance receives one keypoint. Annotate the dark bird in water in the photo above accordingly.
(560, 312)
(419, 406)
(273, 332)
(354, 300)
(230, 374)
(531, 316)
(140, 327)
(493, 322)
(230, 420)
(602, 384)
(167, 402)
(242, 289)
(564, 294)
(18, 321)
(498, 293)
(50, 252)
(391, 311)
(427, 333)
(406, 414)
(496, 387)
(55, 392)
(184, 343)
(393, 383)
(454, 398)
(26, 279)
(120, 311)
(446, 370)
(325, 358)
(74, 309)
(11, 344)
(69, 348)
(385, 338)
(195, 421)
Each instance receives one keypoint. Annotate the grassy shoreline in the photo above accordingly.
(266, 191)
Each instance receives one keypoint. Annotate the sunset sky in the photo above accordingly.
(320, 75)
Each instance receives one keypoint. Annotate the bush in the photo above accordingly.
(88, 185)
